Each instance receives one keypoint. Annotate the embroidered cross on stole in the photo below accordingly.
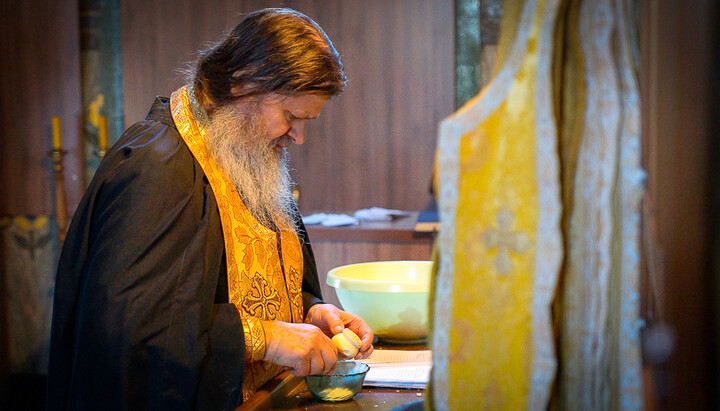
(262, 284)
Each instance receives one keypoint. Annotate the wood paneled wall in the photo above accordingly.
(373, 145)
(331, 254)
(675, 80)
(40, 79)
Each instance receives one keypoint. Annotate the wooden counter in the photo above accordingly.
(287, 392)
(366, 242)
(399, 230)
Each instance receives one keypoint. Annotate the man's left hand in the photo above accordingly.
(332, 320)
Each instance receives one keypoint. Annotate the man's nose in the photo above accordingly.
(297, 133)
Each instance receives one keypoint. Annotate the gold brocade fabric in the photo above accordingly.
(264, 283)
(500, 244)
(539, 187)
(597, 310)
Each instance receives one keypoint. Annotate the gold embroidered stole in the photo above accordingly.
(264, 283)
(540, 182)
(500, 247)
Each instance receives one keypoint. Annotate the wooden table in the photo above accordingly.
(287, 392)
(367, 241)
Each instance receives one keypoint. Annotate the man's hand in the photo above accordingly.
(332, 320)
(303, 348)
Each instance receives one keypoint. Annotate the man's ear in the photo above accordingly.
(240, 90)
(244, 88)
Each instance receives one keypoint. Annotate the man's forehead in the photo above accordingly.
(301, 105)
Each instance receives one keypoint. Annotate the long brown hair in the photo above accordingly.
(270, 50)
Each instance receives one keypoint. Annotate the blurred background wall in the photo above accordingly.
(374, 145)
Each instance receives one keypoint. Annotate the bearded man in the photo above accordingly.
(187, 279)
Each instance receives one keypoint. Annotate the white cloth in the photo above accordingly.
(330, 220)
(379, 214)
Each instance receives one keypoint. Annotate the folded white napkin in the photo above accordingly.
(314, 218)
(379, 214)
(330, 220)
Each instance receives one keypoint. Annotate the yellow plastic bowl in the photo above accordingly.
(391, 296)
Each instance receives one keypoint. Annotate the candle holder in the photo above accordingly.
(102, 137)
(60, 203)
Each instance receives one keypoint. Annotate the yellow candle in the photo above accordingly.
(57, 144)
(102, 135)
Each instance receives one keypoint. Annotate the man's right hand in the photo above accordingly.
(303, 348)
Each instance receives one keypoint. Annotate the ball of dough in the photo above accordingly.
(347, 343)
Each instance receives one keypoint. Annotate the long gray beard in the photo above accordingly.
(260, 174)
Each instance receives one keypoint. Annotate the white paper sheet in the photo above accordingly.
(399, 369)
(398, 356)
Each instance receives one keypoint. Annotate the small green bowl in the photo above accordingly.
(341, 385)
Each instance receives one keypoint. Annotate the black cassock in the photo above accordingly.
(141, 318)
